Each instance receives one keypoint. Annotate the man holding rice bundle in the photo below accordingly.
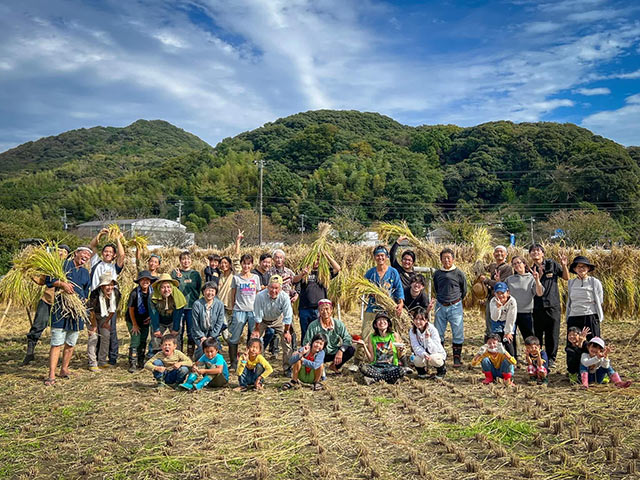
(66, 325)
(112, 261)
(386, 277)
(43, 312)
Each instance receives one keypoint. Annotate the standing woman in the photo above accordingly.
(524, 286)
(585, 297)
(227, 268)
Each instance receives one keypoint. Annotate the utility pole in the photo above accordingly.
(532, 220)
(261, 168)
(180, 205)
(301, 225)
(65, 225)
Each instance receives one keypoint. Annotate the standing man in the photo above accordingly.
(112, 261)
(407, 261)
(450, 286)
(286, 274)
(311, 292)
(43, 311)
(263, 270)
(498, 272)
(546, 308)
(189, 283)
(272, 309)
(65, 327)
(387, 278)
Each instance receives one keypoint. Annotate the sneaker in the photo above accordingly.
(369, 380)
(160, 384)
(551, 364)
(408, 371)
(94, 369)
(533, 379)
(606, 379)
(457, 361)
(106, 366)
(352, 368)
(423, 376)
(543, 381)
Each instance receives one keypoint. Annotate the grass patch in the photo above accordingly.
(507, 431)
(385, 400)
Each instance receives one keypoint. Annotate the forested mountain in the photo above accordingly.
(321, 164)
(136, 144)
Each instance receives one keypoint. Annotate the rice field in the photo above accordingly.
(116, 425)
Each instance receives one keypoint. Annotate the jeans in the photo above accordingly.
(40, 321)
(307, 315)
(185, 323)
(505, 367)
(546, 325)
(114, 347)
(524, 323)
(249, 377)
(238, 321)
(170, 377)
(599, 374)
(452, 314)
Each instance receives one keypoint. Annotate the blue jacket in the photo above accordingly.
(81, 280)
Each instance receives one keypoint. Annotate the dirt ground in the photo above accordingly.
(116, 425)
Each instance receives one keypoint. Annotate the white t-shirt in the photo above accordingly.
(100, 268)
(246, 290)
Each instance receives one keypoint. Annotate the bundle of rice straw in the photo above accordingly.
(113, 232)
(44, 260)
(360, 286)
(318, 253)
(387, 230)
(20, 290)
(139, 242)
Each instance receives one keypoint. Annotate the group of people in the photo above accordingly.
(213, 309)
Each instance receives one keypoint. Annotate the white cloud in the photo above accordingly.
(627, 76)
(542, 27)
(594, 15)
(593, 91)
(621, 124)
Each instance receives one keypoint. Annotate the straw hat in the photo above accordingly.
(165, 277)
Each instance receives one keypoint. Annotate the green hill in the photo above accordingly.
(140, 141)
(321, 164)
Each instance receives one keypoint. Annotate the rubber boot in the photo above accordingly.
(507, 378)
(191, 349)
(133, 360)
(488, 378)
(584, 377)
(188, 383)
(233, 357)
(441, 371)
(204, 381)
(275, 345)
(30, 356)
(457, 354)
(615, 378)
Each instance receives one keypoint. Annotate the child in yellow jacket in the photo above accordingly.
(496, 361)
(253, 368)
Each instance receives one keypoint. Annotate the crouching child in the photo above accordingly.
(595, 365)
(253, 368)
(307, 364)
(495, 360)
(426, 345)
(537, 361)
(576, 346)
(211, 365)
(383, 352)
(169, 366)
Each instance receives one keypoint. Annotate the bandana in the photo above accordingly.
(325, 301)
(380, 249)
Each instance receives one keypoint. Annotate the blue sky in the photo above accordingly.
(218, 68)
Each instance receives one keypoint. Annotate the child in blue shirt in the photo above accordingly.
(211, 365)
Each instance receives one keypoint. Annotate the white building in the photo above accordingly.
(160, 231)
